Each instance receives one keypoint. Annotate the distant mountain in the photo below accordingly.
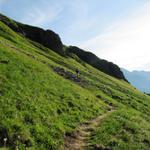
(139, 79)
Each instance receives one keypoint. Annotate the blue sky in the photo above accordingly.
(105, 27)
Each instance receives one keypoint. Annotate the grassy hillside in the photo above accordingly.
(42, 101)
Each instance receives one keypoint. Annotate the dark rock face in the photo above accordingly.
(52, 40)
(47, 38)
(103, 65)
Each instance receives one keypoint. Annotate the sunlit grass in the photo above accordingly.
(40, 106)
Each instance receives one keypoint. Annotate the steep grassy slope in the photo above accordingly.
(102, 65)
(52, 41)
(47, 38)
(42, 101)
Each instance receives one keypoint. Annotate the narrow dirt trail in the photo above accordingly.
(79, 140)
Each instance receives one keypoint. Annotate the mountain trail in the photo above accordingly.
(79, 140)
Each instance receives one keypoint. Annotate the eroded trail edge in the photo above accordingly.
(79, 139)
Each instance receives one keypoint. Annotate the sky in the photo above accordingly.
(115, 30)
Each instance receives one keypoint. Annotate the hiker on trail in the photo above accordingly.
(77, 73)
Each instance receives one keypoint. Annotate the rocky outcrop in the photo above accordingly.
(47, 38)
(52, 40)
(103, 65)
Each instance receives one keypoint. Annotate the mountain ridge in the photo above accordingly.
(101, 64)
(139, 79)
(47, 38)
(52, 40)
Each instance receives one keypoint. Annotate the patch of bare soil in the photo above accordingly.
(79, 140)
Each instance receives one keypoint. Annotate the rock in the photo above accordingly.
(3, 135)
(70, 76)
(4, 61)
(52, 40)
(146, 141)
(103, 65)
(99, 96)
(100, 147)
(47, 38)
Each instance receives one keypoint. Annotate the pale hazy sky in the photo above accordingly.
(116, 30)
(126, 41)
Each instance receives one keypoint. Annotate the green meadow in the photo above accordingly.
(39, 105)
